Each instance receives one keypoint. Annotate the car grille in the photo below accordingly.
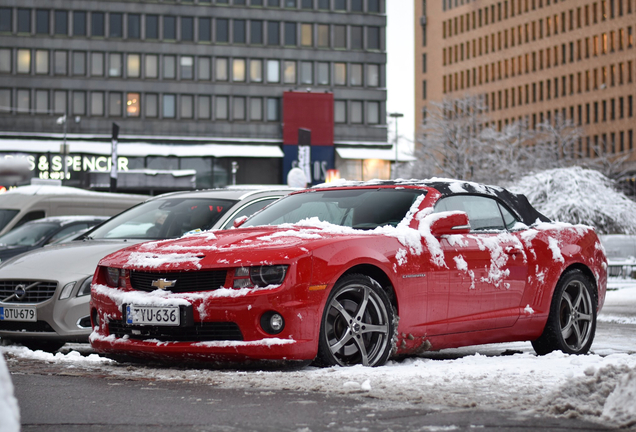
(200, 332)
(41, 291)
(185, 281)
(19, 326)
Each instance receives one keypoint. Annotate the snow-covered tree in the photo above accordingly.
(508, 154)
(579, 196)
(557, 143)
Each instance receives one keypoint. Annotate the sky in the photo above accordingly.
(400, 71)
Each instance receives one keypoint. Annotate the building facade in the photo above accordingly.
(534, 60)
(198, 83)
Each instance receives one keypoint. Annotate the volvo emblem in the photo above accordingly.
(162, 283)
(20, 292)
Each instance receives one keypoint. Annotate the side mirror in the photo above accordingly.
(239, 221)
(448, 223)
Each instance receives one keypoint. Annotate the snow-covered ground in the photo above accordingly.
(600, 386)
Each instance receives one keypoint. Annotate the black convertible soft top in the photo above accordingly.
(518, 203)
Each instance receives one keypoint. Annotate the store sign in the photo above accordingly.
(52, 167)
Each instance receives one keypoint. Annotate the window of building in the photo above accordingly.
(306, 72)
(152, 27)
(289, 72)
(60, 26)
(290, 3)
(356, 6)
(151, 66)
(340, 36)
(355, 72)
(203, 107)
(307, 4)
(152, 105)
(41, 23)
(373, 112)
(256, 32)
(41, 101)
(256, 2)
(238, 70)
(97, 24)
(340, 111)
(169, 28)
(187, 29)
(204, 68)
(187, 67)
(79, 23)
(273, 71)
(340, 73)
(42, 62)
(256, 70)
(169, 106)
(114, 65)
(60, 62)
(323, 73)
(79, 63)
(273, 109)
(5, 101)
(24, 20)
(356, 37)
(134, 26)
(256, 109)
(374, 6)
(340, 5)
(323, 4)
(323, 36)
(373, 75)
(205, 29)
(220, 107)
(238, 31)
(5, 60)
(59, 102)
(97, 104)
(373, 38)
(356, 112)
(273, 33)
(221, 69)
(79, 103)
(238, 108)
(6, 18)
(114, 104)
(187, 106)
(222, 30)
(24, 61)
(116, 25)
(97, 64)
(169, 67)
(290, 34)
(306, 35)
(23, 101)
(133, 65)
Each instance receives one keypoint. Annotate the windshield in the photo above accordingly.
(163, 218)
(357, 208)
(28, 235)
(6, 215)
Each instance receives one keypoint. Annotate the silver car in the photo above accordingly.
(45, 294)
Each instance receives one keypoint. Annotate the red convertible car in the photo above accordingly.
(355, 274)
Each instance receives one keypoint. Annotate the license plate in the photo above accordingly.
(18, 314)
(153, 315)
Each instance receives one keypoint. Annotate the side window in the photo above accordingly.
(36, 214)
(248, 210)
(67, 231)
(509, 219)
(483, 213)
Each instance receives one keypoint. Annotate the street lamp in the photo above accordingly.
(396, 116)
(64, 146)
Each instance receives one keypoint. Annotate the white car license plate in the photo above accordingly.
(153, 315)
(18, 314)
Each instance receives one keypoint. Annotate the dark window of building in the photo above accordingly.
(340, 5)
(61, 23)
(373, 38)
(323, 4)
(290, 34)
(273, 33)
(339, 36)
(356, 5)
(424, 89)
(256, 2)
(42, 21)
(236, 2)
(134, 26)
(222, 31)
(424, 63)
(79, 23)
(97, 24)
(307, 4)
(290, 3)
(630, 106)
(187, 28)
(169, 28)
(5, 20)
(273, 3)
(116, 25)
(373, 6)
(356, 37)
(205, 29)
(152, 27)
(24, 20)
(239, 32)
(256, 32)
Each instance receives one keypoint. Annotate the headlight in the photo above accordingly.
(66, 291)
(115, 277)
(260, 276)
(85, 288)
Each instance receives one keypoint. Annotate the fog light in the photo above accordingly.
(272, 322)
(95, 318)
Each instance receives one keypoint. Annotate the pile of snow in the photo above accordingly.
(9, 412)
(579, 196)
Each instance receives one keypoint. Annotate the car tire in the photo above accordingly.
(571, 323)
(358, 324)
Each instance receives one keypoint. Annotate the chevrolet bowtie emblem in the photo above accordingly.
(162, 284)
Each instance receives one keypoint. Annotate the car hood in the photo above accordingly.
(60, 262)
(237, 246)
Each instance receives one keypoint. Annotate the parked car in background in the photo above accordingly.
(26, 203)
(621, 255)
(355, 273)
(44, 294)
(40, 232)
